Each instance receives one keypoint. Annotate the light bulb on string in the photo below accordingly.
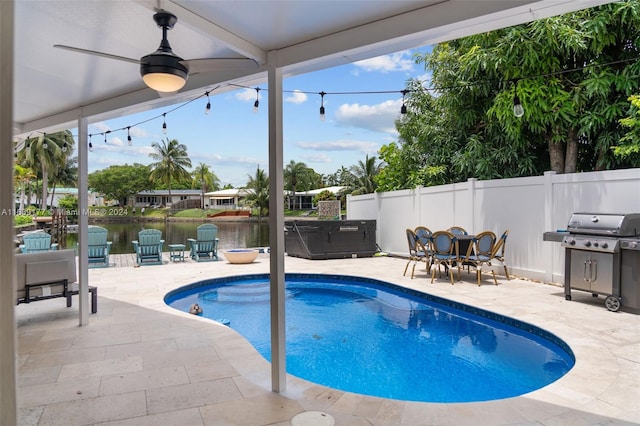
(45, 145)
(164, 123)
(207, 109)
(518, 109)
(90, 144)
(322, 111)
(403, 108)
(256, 104)
(129, 140)
(64, 146)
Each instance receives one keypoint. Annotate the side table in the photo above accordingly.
(176, 252)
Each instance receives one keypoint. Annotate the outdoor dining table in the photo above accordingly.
(463, 244)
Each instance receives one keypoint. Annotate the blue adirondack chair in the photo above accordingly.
(148, 247)
(36, 242)
(205, 246)
(99, 247)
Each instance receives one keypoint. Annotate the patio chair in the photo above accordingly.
(417, 252)
(99, 247)
(148, 247)
(424, 236)
(445, 252)
(458, 230)
(37, 242)
(499, 250)
(479, 253)
(205, 246)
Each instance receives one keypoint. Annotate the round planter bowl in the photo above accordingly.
(241, 255)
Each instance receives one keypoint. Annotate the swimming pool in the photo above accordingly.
(375, 338)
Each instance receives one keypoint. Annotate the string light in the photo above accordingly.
(207, 109)
(518, 110)
(64, 146)
(322, 116)
(403, 109)
(257, 102)
(105, 135)
(45, 145)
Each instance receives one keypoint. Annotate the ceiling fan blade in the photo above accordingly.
(96, 53)
(220, 64)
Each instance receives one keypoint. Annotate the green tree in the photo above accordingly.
(120, 182)
(573, 75)
(204, 179)
(46, 153)
(629, 146)
(258, 192)
(365, 174)
(66, 175)
(298, 177)
(171, 162)
(22, 177)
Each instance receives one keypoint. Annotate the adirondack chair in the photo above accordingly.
(99, 247)
(205, 246)
(148, 247)
(37, 242)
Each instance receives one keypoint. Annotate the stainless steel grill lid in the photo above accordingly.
(613, 224)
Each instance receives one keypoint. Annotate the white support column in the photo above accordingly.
(276, 227)
(8, 346)
(83, 220)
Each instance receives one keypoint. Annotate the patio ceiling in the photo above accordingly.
(54, 87)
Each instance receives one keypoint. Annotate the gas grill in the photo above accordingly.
(598, 247)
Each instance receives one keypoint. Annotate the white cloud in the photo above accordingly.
(297, 97)
(247, 95)
(317, 158)
(340, 145)
(377, 118)
(116, 141)
(100, 126)
(400, 61)
(138, 132)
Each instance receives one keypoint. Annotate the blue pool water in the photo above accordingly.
(371, 337)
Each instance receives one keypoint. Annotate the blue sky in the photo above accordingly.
(233, 140)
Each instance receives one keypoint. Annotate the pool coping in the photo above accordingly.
(600, 388)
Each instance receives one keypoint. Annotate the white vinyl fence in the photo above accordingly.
(527, 207)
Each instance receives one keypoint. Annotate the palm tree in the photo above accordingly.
(22, 177)
(67, 176)
(171, 162)
(258, 194)
(47, 152)
(205, 179)
(364, 174)
(294, 174)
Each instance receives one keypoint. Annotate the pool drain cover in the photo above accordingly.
(312, 418)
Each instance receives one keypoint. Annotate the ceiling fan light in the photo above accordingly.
(163, 72)
(164, 82)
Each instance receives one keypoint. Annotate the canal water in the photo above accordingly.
(231, 234)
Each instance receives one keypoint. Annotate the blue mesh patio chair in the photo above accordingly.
(148, 247)
(205, 246)
(499, 250)
(445, 253)
(36, 242)
(417, 252)
(480, 253)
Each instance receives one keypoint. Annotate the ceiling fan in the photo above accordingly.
(163, 70)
